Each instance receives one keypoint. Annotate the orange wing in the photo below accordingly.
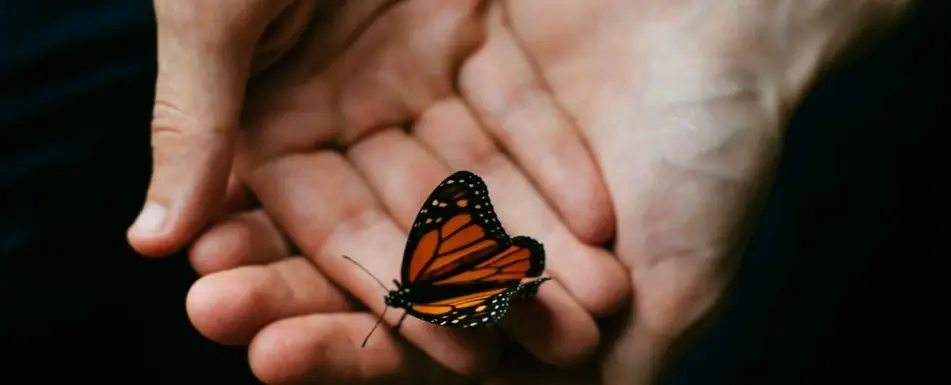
(466, 301)
(460, 252)
(477, 308)
(457, 239)
(460, 265)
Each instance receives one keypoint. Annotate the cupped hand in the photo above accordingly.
(343, 137)
(683, 104)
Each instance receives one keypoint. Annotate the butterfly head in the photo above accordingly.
(399, 298)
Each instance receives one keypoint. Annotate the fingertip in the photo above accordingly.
(593, 222)
(231, 306)
(611, 289)
(276, 357)
(554, 328)
(185, 192)
(596, 280)
(211, 311)
(224, 246)
(159, 231)
(325, 348)
(148, 234)
(248, 238)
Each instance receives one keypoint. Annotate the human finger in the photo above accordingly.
(205, 52)
(325, 349)
(231, 306)
(246, 238)
(512, 102)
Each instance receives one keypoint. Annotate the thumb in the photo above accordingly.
(204, 56)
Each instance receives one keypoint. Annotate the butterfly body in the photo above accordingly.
(460, 268)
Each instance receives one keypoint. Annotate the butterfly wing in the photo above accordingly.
(459, 262)
(473, 309)
(457, 238)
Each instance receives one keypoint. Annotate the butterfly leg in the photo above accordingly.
(400, 322)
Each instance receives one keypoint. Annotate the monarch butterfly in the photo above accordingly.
(460, 268)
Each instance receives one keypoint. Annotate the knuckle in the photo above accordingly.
(175, 132)
(168, 120)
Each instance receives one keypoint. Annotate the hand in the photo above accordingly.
(350, 87)
(683, 104)
(675, 248)
(207, 50)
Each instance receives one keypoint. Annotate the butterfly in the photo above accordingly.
(460, 268)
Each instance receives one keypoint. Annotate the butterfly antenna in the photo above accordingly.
(368, 273)
(376, 325)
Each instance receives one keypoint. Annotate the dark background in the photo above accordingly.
(840, 282)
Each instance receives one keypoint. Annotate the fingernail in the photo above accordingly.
(151, 219)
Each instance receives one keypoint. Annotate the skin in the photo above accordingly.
(652, 126)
